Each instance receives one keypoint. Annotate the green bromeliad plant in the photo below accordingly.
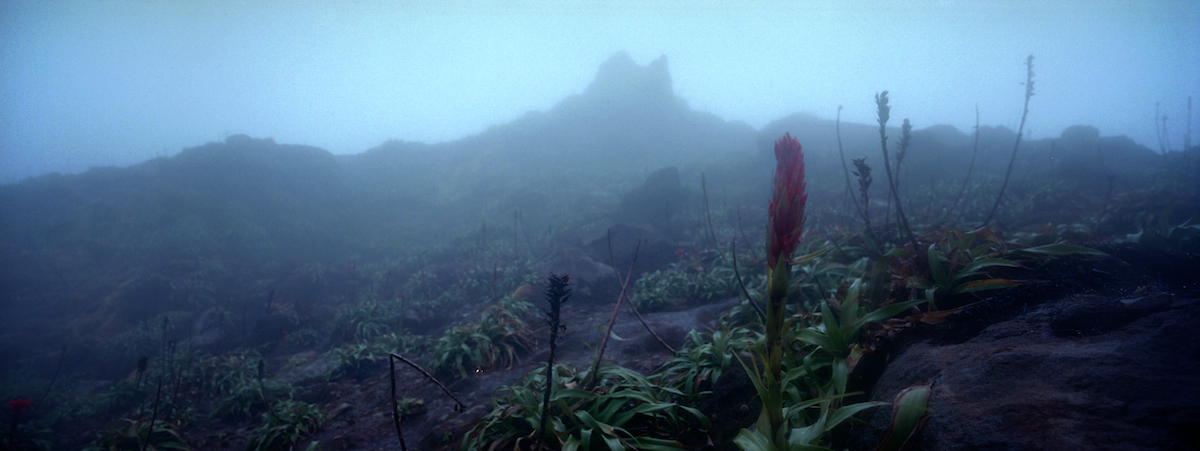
(705, 357)
(495, 341)
(699, 277)
(288, 423)
(961, 263)
(785, 224)
(128, 434)
(803, 368)
(626, 410)
(958, 263)
(837, 336)
(356, 359)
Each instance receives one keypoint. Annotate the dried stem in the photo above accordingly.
(712, 233)
(158, 393)
(845, 169)
(631, 305)
(742, 231)
(1020, 131)
(882, 101)
(1158, 133)
(746, 293)
(392, 357)
(62, 356)
(974, 153)
(593, 377)
(395, 406)
(458, 405)
(905, 140)
(863, 172)
(557, 294)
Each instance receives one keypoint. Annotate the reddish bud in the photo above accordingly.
(18, 405)
(786, 210)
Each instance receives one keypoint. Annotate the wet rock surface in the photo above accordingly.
(1102, 356)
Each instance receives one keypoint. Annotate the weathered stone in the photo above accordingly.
(656, 202)
(589, 278)
(654, 250)
(1105, 370)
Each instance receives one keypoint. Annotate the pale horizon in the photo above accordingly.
(115, 83)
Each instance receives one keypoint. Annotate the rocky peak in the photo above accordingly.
(621, 78)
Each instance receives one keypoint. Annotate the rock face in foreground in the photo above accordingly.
(1110, 360)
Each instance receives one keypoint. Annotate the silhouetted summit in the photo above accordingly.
(630, 118)
(622, 84)
(627, 123)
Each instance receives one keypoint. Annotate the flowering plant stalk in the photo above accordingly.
(785, 224)
(802, 424)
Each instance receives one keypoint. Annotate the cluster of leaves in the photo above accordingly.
(702, 277)
(136, 435)
(1185, 237)
(826, 345)
(493, 270)
(625, 411)
(705, 357)
(409, 407)
(495, 341)
(364, 321)
(304, 337)
(518, 306)
(825, 349)
(147, 338)
(284, 425)
(354, 359)
(151, 407)
(241, 391)
(957, 263)
(493, 281)
(119, 399)
(383, 292)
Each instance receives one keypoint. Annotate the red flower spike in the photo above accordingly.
(18, 405)
(786, 210)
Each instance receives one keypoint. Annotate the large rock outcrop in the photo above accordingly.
(1085, 361)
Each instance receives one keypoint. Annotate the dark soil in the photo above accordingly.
(358, 408)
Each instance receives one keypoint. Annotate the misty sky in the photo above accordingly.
(117, 82)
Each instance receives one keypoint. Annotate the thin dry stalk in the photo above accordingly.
(712, 233)
(745, 293)
(842, 155)
(881, 100)
(1020, 132)
(974, 153)
(395, 405)
(392, 357)
(458, 405)
(593, 378)
(633, 307)
(742, 231)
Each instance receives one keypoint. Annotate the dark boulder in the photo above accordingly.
(1095, 364)
(656, 202)
(590, 280)
(654, 250)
